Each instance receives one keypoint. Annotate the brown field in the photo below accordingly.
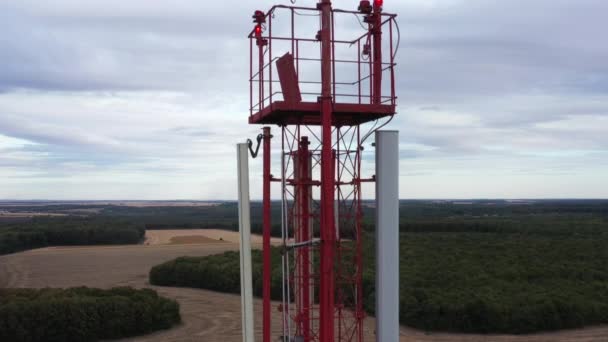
(193, 240)
(161, 237)
(207, 316)
(144, 204)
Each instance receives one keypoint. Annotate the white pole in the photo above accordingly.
(245, 243)
(387, 236)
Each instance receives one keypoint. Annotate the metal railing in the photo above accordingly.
(262, 75)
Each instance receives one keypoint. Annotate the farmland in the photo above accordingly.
(211, 315)
(205, 314)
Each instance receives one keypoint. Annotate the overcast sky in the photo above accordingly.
(140, 99)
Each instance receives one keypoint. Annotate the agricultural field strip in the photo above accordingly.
(80, 266)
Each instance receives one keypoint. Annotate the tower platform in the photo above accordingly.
(285, 74)
(309, 113)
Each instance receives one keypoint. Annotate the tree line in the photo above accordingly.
(510, 276)
(83, 314)
(70, 230)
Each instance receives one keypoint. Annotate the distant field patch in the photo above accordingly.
(193, 239)
(190, 236)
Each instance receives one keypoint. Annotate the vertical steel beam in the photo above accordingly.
(387, 236)
(303, 235)
(328, 241)
(245, 243)
(250, 77)
(307, 234)
(392, 61)
(377, 38)
(270, 59)
(260, 43)
(266, 226)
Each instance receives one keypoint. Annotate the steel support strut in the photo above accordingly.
(328, 243)
(304, 235)
(261, 43)
(266, 271)
(377, 37)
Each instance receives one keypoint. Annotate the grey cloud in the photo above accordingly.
(409, 154)
(487, 48)
(192, 131)
(42, 133)
(522, 82)
(130, 54)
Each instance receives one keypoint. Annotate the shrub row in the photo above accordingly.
(82, 314)
(219, 272)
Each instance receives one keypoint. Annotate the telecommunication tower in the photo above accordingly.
(320, 81)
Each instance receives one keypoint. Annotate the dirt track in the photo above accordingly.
(208, 316)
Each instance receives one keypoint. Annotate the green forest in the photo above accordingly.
(466, 266)
(506, 272)
(66, 231)
(82, 314)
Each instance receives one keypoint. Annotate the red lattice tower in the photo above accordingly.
(320, 89)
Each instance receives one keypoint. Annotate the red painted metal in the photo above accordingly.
(266, 225)
(289, 79)
(377, 38)
(308, 113)
(260, 43)
(326, 282)
(304, 237)
(321, 157)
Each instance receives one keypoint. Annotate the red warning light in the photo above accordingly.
(258, 30)
(378, 3)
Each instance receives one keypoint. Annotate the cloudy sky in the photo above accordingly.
(139, 99)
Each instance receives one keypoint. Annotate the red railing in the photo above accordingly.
(355, 86)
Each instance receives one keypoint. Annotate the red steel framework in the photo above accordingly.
(321, 147)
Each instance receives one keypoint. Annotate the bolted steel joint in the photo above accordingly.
(367, 49)
(261, 41)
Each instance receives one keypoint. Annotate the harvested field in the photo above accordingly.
(207, 316)
(146, 204)
(193, 239)
(162, 237)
